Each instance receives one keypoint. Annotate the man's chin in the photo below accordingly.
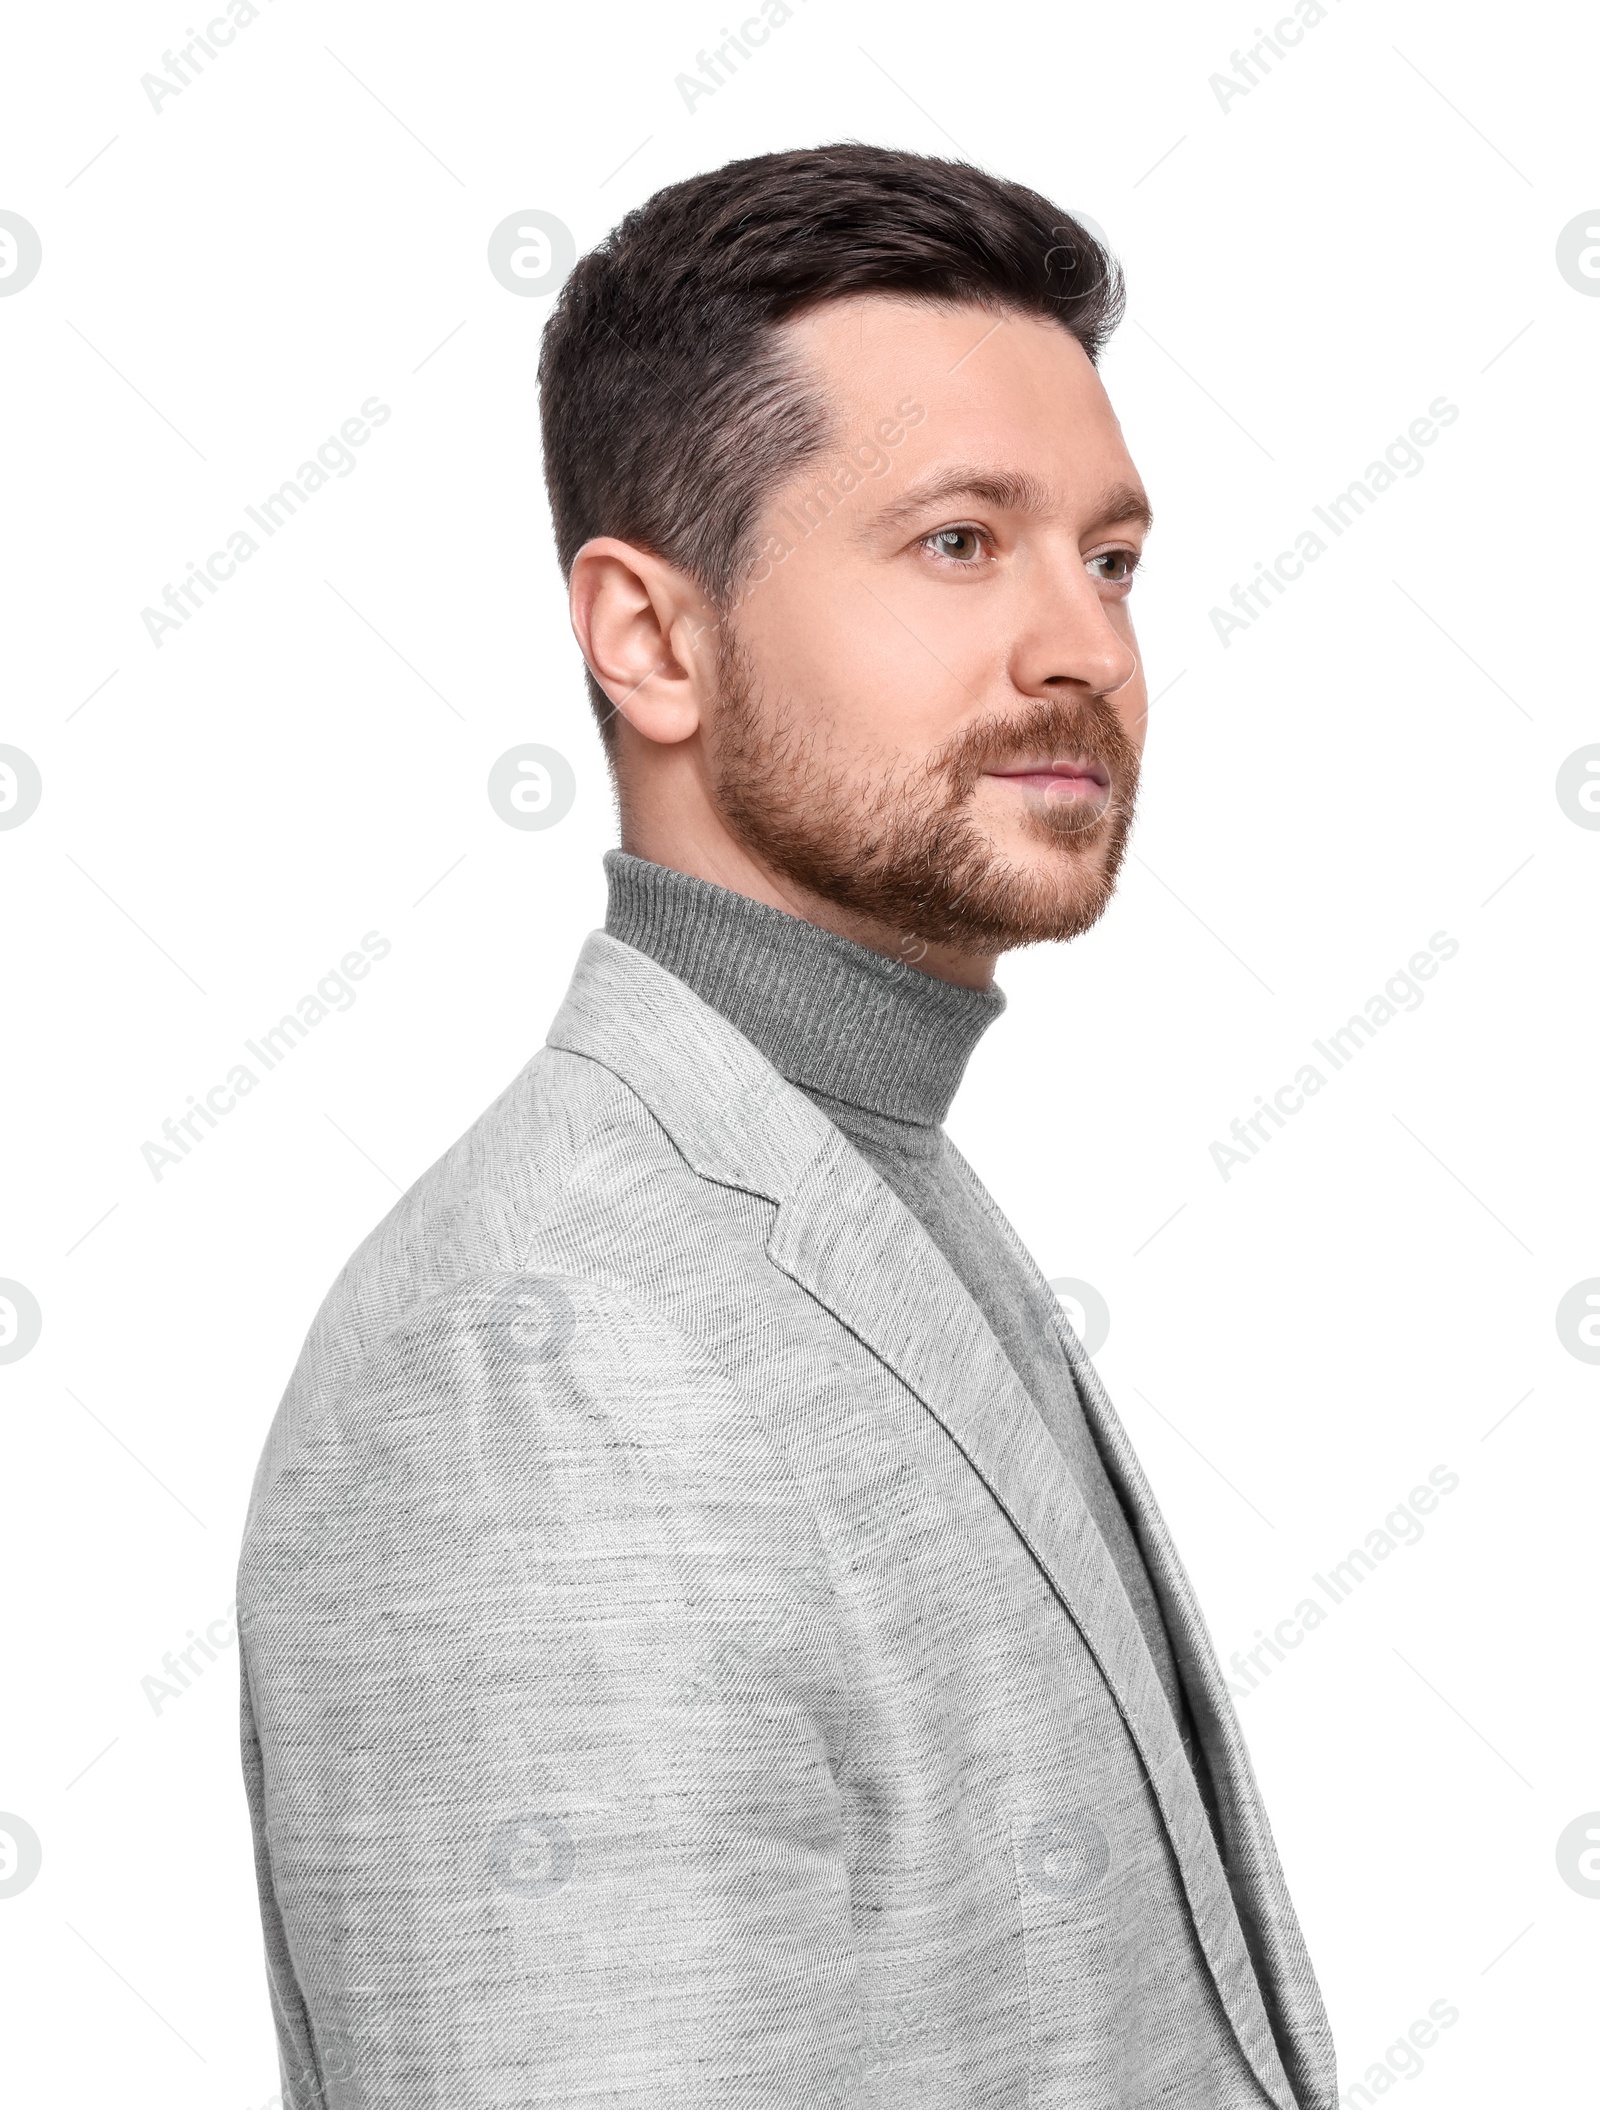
(1035, 891)
(999, 905)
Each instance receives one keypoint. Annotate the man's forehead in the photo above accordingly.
(1013, 410)
(856, 336)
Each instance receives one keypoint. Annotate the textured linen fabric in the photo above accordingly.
(881, 1048)
(678, 1665)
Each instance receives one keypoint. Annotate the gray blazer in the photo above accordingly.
(679, 1668)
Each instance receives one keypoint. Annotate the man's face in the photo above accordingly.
(930, 703)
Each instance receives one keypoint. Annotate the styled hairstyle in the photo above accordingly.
(670, 410)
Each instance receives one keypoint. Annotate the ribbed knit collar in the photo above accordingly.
(828, 1014)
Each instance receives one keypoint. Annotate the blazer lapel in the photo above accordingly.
(1283, 1965)
(1283, 1969)
(849, 1242)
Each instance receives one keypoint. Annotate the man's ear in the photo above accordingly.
(647, 633)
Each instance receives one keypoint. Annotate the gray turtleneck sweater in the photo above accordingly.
(880, 1047)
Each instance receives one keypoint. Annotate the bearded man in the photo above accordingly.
(706, 1636)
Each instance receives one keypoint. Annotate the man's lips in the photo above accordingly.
(1059, 780)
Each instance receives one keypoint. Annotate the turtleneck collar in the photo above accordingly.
(830, 1015)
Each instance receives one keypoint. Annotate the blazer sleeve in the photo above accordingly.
(542, 1706)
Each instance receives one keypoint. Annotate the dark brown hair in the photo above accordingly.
(669, 412)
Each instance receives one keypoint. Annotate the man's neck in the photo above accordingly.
(838, 1019)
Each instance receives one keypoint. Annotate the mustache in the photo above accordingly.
(1084, 726)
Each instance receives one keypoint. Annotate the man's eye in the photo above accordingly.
(961, 544)
(1119, 565)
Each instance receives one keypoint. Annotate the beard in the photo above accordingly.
(898, 842)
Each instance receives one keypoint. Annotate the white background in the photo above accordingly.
(1293, 1348)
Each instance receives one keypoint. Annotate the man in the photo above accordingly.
(706, 1637)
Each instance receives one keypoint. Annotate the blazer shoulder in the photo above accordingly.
(526, 1191)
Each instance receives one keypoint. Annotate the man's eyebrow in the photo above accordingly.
(1120, 502)
(1010, 491)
